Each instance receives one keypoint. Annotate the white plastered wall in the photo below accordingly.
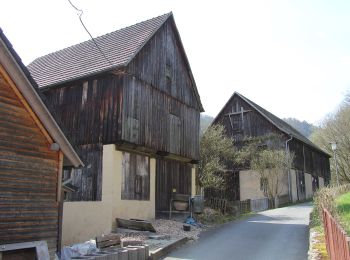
(85, 220)
(193, 180)
(293, 182)
(249, 182)
(308, 186)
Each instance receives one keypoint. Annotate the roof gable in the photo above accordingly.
(274, 120)
(20, 77)
(85, 59)
(195, 90)
(163, 57)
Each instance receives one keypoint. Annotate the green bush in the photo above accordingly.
(343, 205)
(325, 198)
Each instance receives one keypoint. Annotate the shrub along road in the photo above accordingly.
(273, 234)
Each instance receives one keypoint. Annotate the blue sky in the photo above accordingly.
(290, 57)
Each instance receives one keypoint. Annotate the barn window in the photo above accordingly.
(135, 177)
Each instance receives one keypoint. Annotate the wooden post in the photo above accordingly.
(60, 201)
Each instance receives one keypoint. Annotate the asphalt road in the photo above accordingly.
(280, 234)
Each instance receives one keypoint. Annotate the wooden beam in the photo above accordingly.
(237, 113)
(60, 200)
(163, 153)
(60, 172)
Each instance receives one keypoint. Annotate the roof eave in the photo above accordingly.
(15, 71)
(85, 76)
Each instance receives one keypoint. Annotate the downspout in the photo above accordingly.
(289, 177)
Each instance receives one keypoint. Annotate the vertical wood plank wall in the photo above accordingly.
(28, 176)
(171, 175)
(147, 120)
(87, 179)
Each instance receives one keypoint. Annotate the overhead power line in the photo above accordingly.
(80, 13)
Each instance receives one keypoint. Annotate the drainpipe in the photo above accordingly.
(289, 177)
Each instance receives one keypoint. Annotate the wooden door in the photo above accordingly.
(171, 176)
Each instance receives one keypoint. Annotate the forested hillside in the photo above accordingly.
(302, 126)
(205, 122)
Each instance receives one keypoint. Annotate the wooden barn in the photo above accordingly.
(33, 150)
(242, 118)
(132, 108)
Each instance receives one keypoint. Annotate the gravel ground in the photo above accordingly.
(171, 228)
(175, 228)
(133, 237)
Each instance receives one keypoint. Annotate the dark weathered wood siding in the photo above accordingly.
(251, 123)
(161, 63)
(171, 175)
(89, 110)
(314, 162)
(161, 73)
(155, 120)
(28, 176)
(89, 178)
(90, 113)
(150, 105)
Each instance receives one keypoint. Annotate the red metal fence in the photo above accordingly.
(338, 243)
